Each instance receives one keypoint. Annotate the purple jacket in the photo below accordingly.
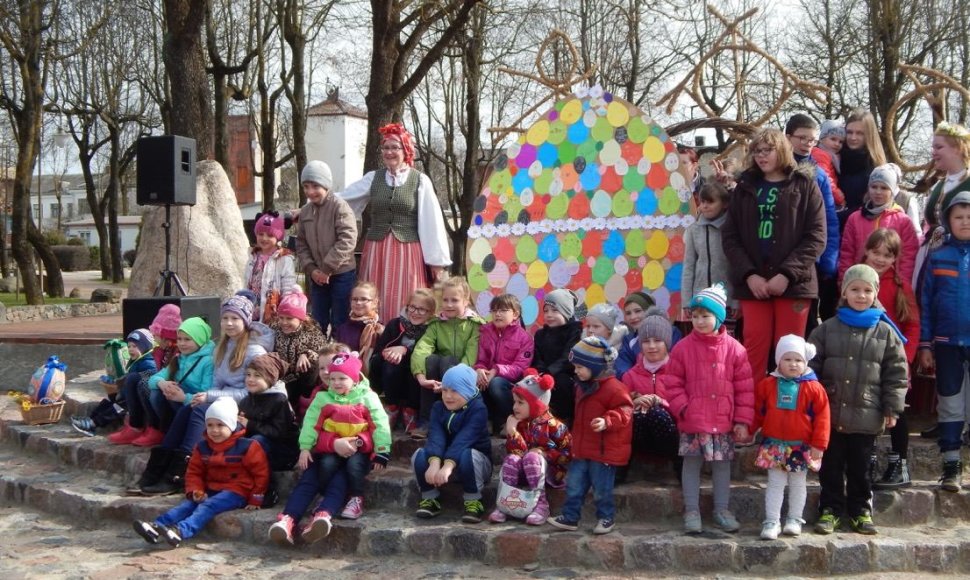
(709, 384)
(509, 353)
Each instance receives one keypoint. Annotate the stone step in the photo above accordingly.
(91, 499)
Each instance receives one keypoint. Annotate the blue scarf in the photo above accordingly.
(868, 318)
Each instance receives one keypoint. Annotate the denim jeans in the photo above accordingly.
(189, 517)
(498, 398)
(473, 471)
(583, 474)
(160, 411)
(134, 391)
(331, 302)
(281, 457)
(186, 429)
(357, 466)
(307, 488)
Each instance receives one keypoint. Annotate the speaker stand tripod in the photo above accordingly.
(168, 281)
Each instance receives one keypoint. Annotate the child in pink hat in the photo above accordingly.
(298, 339)
(271, 270)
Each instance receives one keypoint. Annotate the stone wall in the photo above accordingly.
(12, 314)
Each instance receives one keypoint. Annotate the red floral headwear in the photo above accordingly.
(398, 132)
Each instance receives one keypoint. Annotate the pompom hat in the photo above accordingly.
(270, 224)
(714, 300)
(593, 353)
(536, 390)
(166, 322)
(608, 314)
(225, 410)
(796, 344)
(656, 325)
(348, 363)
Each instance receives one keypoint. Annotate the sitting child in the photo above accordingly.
(298, 338)
(601, 435)
(227, 472)
(165, 328)
(324, 357)
(603, 320)
(458, 444)
(504, 352)
(539, 445)
(363, 328)
(560, 330)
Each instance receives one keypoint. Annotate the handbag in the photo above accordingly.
(515, 501)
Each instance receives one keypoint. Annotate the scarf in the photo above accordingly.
(871, 212)
(371, 329)
(868, 318)
(856, 161)
(411, 330)
(654, 367)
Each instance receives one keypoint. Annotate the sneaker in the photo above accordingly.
(952, 478)
(896, 475)
(726, 521)
(563, 524)
(146, 530)
(409, 417)
(827, 523)
(770, 530)
(125, 436)
(428, 508)
(692, 523)
(419, 433)
(282, 531)
(931, 433)
(473, 511)
(604, 526)
(862, 524)
(84, 425)
(150, 437)
(318, 528)
(497, 517)
(354, 508)
(793, 527)
(172, 536)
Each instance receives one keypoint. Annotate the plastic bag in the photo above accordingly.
(516, 502)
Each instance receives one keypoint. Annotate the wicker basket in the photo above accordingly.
(43, 414)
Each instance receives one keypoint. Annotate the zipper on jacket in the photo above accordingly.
(707, 240)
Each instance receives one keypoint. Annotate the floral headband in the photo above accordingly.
(954, 130)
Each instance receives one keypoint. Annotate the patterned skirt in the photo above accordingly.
(777, 454)
(711, 446)
(396, 268)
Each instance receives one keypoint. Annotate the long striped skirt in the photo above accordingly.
(396, 268)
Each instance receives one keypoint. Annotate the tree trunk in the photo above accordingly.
(184, 58)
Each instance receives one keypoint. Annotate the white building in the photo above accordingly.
(336, 133)
(84, 228)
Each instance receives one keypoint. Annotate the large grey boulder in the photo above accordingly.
(208, 241)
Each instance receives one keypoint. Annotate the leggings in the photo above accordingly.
(721, 476)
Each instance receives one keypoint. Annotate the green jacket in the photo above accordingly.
(457, 337)
(360, 393)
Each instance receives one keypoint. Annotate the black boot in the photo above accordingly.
(873, 471)
(896, 475)
(272, 496)
(622, 472)
(158, 462)
(173, 478)
(952, 478)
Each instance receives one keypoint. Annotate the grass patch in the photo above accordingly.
(10, 299)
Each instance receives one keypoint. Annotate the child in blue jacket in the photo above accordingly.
(458, 445)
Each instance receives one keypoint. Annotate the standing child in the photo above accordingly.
(391, 362)
(704, 259)
(504, 352)
(711, 394)
(450, 339)
(945, 332)
(601, 435)
(271, 269)
(227, 472)
(539, 446)
(896, 296)
(363, 328)
(792, 411)
(861, 362)
(602, 320)
(266, 416)
(458, 444)
(559, 332)
(635, 307)
(297, 340)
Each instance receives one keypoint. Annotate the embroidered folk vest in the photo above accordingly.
(394, 209)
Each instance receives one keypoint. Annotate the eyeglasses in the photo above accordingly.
(390, 148)
(762, 151)
(359, 299)
(497, 310)
(417, 309)
(806, 139)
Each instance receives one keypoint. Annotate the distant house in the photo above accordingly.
(336, 133)
(84, 229)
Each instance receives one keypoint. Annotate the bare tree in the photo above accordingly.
(183, 53)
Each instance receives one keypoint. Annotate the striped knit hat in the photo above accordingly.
(593, 353)
(714, 300)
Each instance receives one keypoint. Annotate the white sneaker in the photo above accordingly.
(770, 530)
(354, 508)
(793, 527)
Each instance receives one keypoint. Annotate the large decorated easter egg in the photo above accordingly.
(589, 198)
(48, 382)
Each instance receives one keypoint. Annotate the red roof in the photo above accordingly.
(333, 105)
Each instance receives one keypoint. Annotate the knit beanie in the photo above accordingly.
(593, 353)
(888, 174)
(564, 301)
(269, 366)
(142, 338)
(462, 379)
(197, 329)
(713, 299)
(861, 272)
(831, 127)
(224, 410)
(642, 298)
(242, 306)
(656, 325)
(606, 313)
(317, 172)
(348, 363)
(166, 322)
(796, 344)
(268, 223)
(536, 390)
(293, 305)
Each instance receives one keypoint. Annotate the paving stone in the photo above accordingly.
(344, 538)
(605, 552)
(468, 544)
(890, 555)
(382, 542)
(812, 559)
(561, 549)
(651, 554)
(763, 557)
(964, 555)
(426, 543)
(953, 505)
(230, 525)
(849, 556)
(515, 549)
(705, 556)
(936, 557)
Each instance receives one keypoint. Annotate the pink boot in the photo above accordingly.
(126, 435)
(150, 438)
(539, 515)
(393, 412)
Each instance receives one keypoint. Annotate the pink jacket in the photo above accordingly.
(709, 384)
(858, 229)
(509, 353)
(640, 381)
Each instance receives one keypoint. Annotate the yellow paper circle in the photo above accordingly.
(653, 275)
(657, 245)
(617, 114)
(595, 295)
(538, 133)
(537, 275)
(653, 150)
(571, 111)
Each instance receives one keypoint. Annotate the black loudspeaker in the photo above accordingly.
(139, 312)
(166, 170)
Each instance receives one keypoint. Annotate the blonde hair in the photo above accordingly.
(427, 296)
(332, 348)
(779, 142)
(871, 133)
(460, 283)
(368, 285)
(238, 355)
(957, 136)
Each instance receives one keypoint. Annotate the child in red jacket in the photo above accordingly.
(601, 435)
(792, 410)
(227, 472)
